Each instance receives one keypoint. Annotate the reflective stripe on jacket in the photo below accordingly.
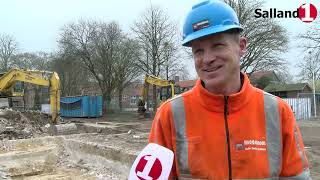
(261, 139)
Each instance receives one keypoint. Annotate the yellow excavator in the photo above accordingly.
(166, 85)
(42, 78)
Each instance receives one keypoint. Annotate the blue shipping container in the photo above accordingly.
(81, 106)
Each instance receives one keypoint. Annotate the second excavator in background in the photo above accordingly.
(166, 91)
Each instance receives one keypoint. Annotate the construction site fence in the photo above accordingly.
(304, 107)
(129, 104)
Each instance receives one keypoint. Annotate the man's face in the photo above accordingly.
(217, 59)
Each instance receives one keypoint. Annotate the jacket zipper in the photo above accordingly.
(226, 113)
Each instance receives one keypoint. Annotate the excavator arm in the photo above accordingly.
(150, 79)
(8, 79)
(54, 96)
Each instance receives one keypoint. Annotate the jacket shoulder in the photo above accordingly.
(176, 98)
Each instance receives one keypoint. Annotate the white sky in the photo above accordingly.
(36, 23)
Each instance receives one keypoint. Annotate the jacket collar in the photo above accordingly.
(214, 102)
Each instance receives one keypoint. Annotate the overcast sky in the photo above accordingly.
(36, 23)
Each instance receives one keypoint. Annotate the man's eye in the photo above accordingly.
(197, 51)
(218, 45)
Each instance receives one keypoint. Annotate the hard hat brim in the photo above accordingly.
(208, 31)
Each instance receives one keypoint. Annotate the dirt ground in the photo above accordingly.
(102, 148)
(310, 131)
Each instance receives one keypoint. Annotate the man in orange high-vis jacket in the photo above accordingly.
(224, 128)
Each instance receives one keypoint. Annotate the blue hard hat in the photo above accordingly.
(209, 17)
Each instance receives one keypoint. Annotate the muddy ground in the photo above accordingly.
(102, 148)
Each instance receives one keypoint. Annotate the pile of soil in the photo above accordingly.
(21, 125)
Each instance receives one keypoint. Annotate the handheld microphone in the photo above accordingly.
(153, 162)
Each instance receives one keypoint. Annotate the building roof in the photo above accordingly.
(260, 74)
(277, 87)
(134, 89)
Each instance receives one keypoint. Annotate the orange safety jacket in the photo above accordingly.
(247, 135)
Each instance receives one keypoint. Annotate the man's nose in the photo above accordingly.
(209, 56)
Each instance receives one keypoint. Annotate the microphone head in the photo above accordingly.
(153, 162)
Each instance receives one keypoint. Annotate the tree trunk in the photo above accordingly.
(120, 99)
(154, 90)
(6, 65)
(106, 102)
(147, 100)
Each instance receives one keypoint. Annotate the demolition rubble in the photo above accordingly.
(21, 125)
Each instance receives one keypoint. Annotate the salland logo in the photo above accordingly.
(307, 13)
(148, 168)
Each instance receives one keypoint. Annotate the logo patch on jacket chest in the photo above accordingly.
(251, 145)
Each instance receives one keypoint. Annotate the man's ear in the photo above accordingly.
(243, 46)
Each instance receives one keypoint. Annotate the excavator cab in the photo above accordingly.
(166, 90)
(18, 89)
(166, 93)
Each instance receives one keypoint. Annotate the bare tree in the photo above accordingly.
(310, 45)
(173, 66)
(71, 73)
(154, 32)
(310, 66)
(104, 50)
(285, 76)
(79, 39)
(43, 60)
(266, 38)
(23, 60)
(28, 60)
(8, 47)
(311, 39)
(126, 67)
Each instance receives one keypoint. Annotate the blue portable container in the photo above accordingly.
(95, 106)
(81, 106)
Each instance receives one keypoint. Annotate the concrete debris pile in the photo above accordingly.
(22, 125)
